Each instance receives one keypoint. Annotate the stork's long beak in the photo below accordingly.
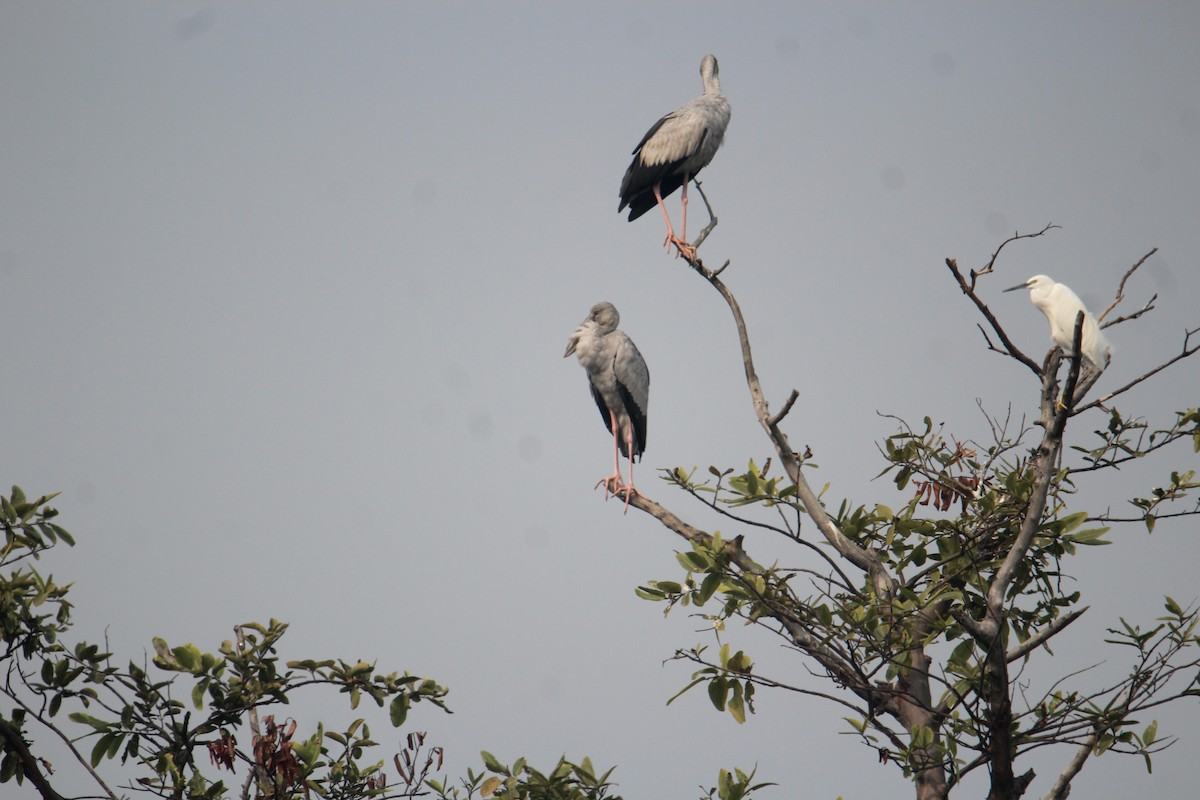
(574, 340)
(1024, 285)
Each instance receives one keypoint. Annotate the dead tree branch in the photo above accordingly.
(989, 267)
(1188, 350)
(1120, 295)
(969, 290)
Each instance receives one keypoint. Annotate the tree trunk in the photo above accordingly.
(914, 708)
(999, 722)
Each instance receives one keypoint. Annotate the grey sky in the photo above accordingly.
(287, 288)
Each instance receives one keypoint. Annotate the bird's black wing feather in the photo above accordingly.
(637, 187)
(638, 417)
(600, 404)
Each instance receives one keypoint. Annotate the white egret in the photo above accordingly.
(674, 150)
(620, 384)
(1061, 306)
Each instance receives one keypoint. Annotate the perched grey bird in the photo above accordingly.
(674, 150)
(1061, 305)
(620, 383)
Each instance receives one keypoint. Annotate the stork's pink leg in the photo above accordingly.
(666, 217)
(683, 202)
(681, 244)
(629, 490)
(613, 482)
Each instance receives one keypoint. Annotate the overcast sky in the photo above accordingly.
(287, 286)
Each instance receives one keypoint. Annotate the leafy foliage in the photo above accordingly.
(915, 613)
(134, 714)
(190, 719)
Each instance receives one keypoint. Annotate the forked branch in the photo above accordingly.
(968, 288)
(1121, 294)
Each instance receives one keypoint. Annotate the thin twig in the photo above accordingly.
(712, 220)
(787, 406)
(1121, 292)
(1125, 318)
(1185, 353)
(1045, 634)
(969, 291)
(989, 267)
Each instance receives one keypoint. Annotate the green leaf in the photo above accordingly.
(100, 750)
(1091, 536)
(962, 653)
(684, 690)
(492, 763)
(188, 656)
(62, 533)
(647, 593)
(736, 707)
(693, 561)
(740, 663)
(87, 719)
(198, 694)
(398, 710)
(716, 693)
(711, 583)
(8, 768)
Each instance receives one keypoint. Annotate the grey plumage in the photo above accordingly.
(677, 147)
(617, 375)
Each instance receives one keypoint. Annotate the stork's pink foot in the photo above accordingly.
(612, 485)
(629, 492)
(686, 250)
(681, 247)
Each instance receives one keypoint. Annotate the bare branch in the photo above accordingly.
(691, 533)
(988, 268)
(852, 552)
(1062, 786)
(1044, 635)
(1121, 292)
(1148, 307)
(787, 406)
(1187, 351)
(712, 221)
(1107, 519)
(969, 290)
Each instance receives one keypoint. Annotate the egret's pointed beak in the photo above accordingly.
(1024, 285)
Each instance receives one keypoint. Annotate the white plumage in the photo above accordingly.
(676, 148)
(620, 384)
(1061, 306)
